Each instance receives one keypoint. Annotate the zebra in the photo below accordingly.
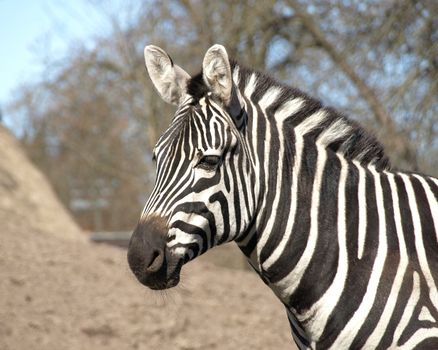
(349, 246)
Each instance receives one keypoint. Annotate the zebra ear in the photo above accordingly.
(217, 75)
(169, 79)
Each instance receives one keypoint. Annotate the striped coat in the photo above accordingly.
(348, 246)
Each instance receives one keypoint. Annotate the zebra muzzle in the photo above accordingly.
(148, 256)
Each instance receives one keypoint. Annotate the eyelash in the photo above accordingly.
(208, 162)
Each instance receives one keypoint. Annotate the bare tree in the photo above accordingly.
(93, 118)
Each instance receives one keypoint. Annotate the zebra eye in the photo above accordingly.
(209, 162)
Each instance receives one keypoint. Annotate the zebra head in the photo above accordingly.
(204, 171)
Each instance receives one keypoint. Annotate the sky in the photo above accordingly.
(31, 30)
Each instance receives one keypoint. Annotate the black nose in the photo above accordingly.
(147, 251)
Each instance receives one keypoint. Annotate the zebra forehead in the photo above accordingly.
(194, 122)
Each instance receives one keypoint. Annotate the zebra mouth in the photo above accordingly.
(172, 282)
(166, 277)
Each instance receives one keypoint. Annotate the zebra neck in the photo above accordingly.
(284, 236)
(295, 247)
(285, 131)
(275, 109)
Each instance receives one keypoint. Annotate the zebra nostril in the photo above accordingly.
(156, 261)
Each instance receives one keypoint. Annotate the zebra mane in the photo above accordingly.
(354, 142)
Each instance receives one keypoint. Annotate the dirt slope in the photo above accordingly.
(58, 293)
(26, 197)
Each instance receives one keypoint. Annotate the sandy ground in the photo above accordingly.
(60, 294)
(58, 291)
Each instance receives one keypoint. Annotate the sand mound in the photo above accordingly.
(26, 198)
(58, 293)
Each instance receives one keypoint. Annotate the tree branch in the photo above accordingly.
(396, 140)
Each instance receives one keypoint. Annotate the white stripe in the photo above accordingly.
(390, 305)
(418, 337)
(160, 183)
(216, 209)
(236, 75)
(184, 237)
(310, 122)
(317, 316)
(250, 85)
(419, 244)
(256, 159)
(174, 184)
(213, 123)
(166, 207)
(362, 202)
(201, 118)
(289, 283)
(230, 200)
(294, 194)
(334, 132)
(195, 220)
(285, 111)
(247, 168)
(425, 315)
(268, 99)
(272, 218)
(408, 310)
(346, 336)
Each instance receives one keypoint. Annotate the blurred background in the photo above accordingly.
(75, 93)
(74, 88)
